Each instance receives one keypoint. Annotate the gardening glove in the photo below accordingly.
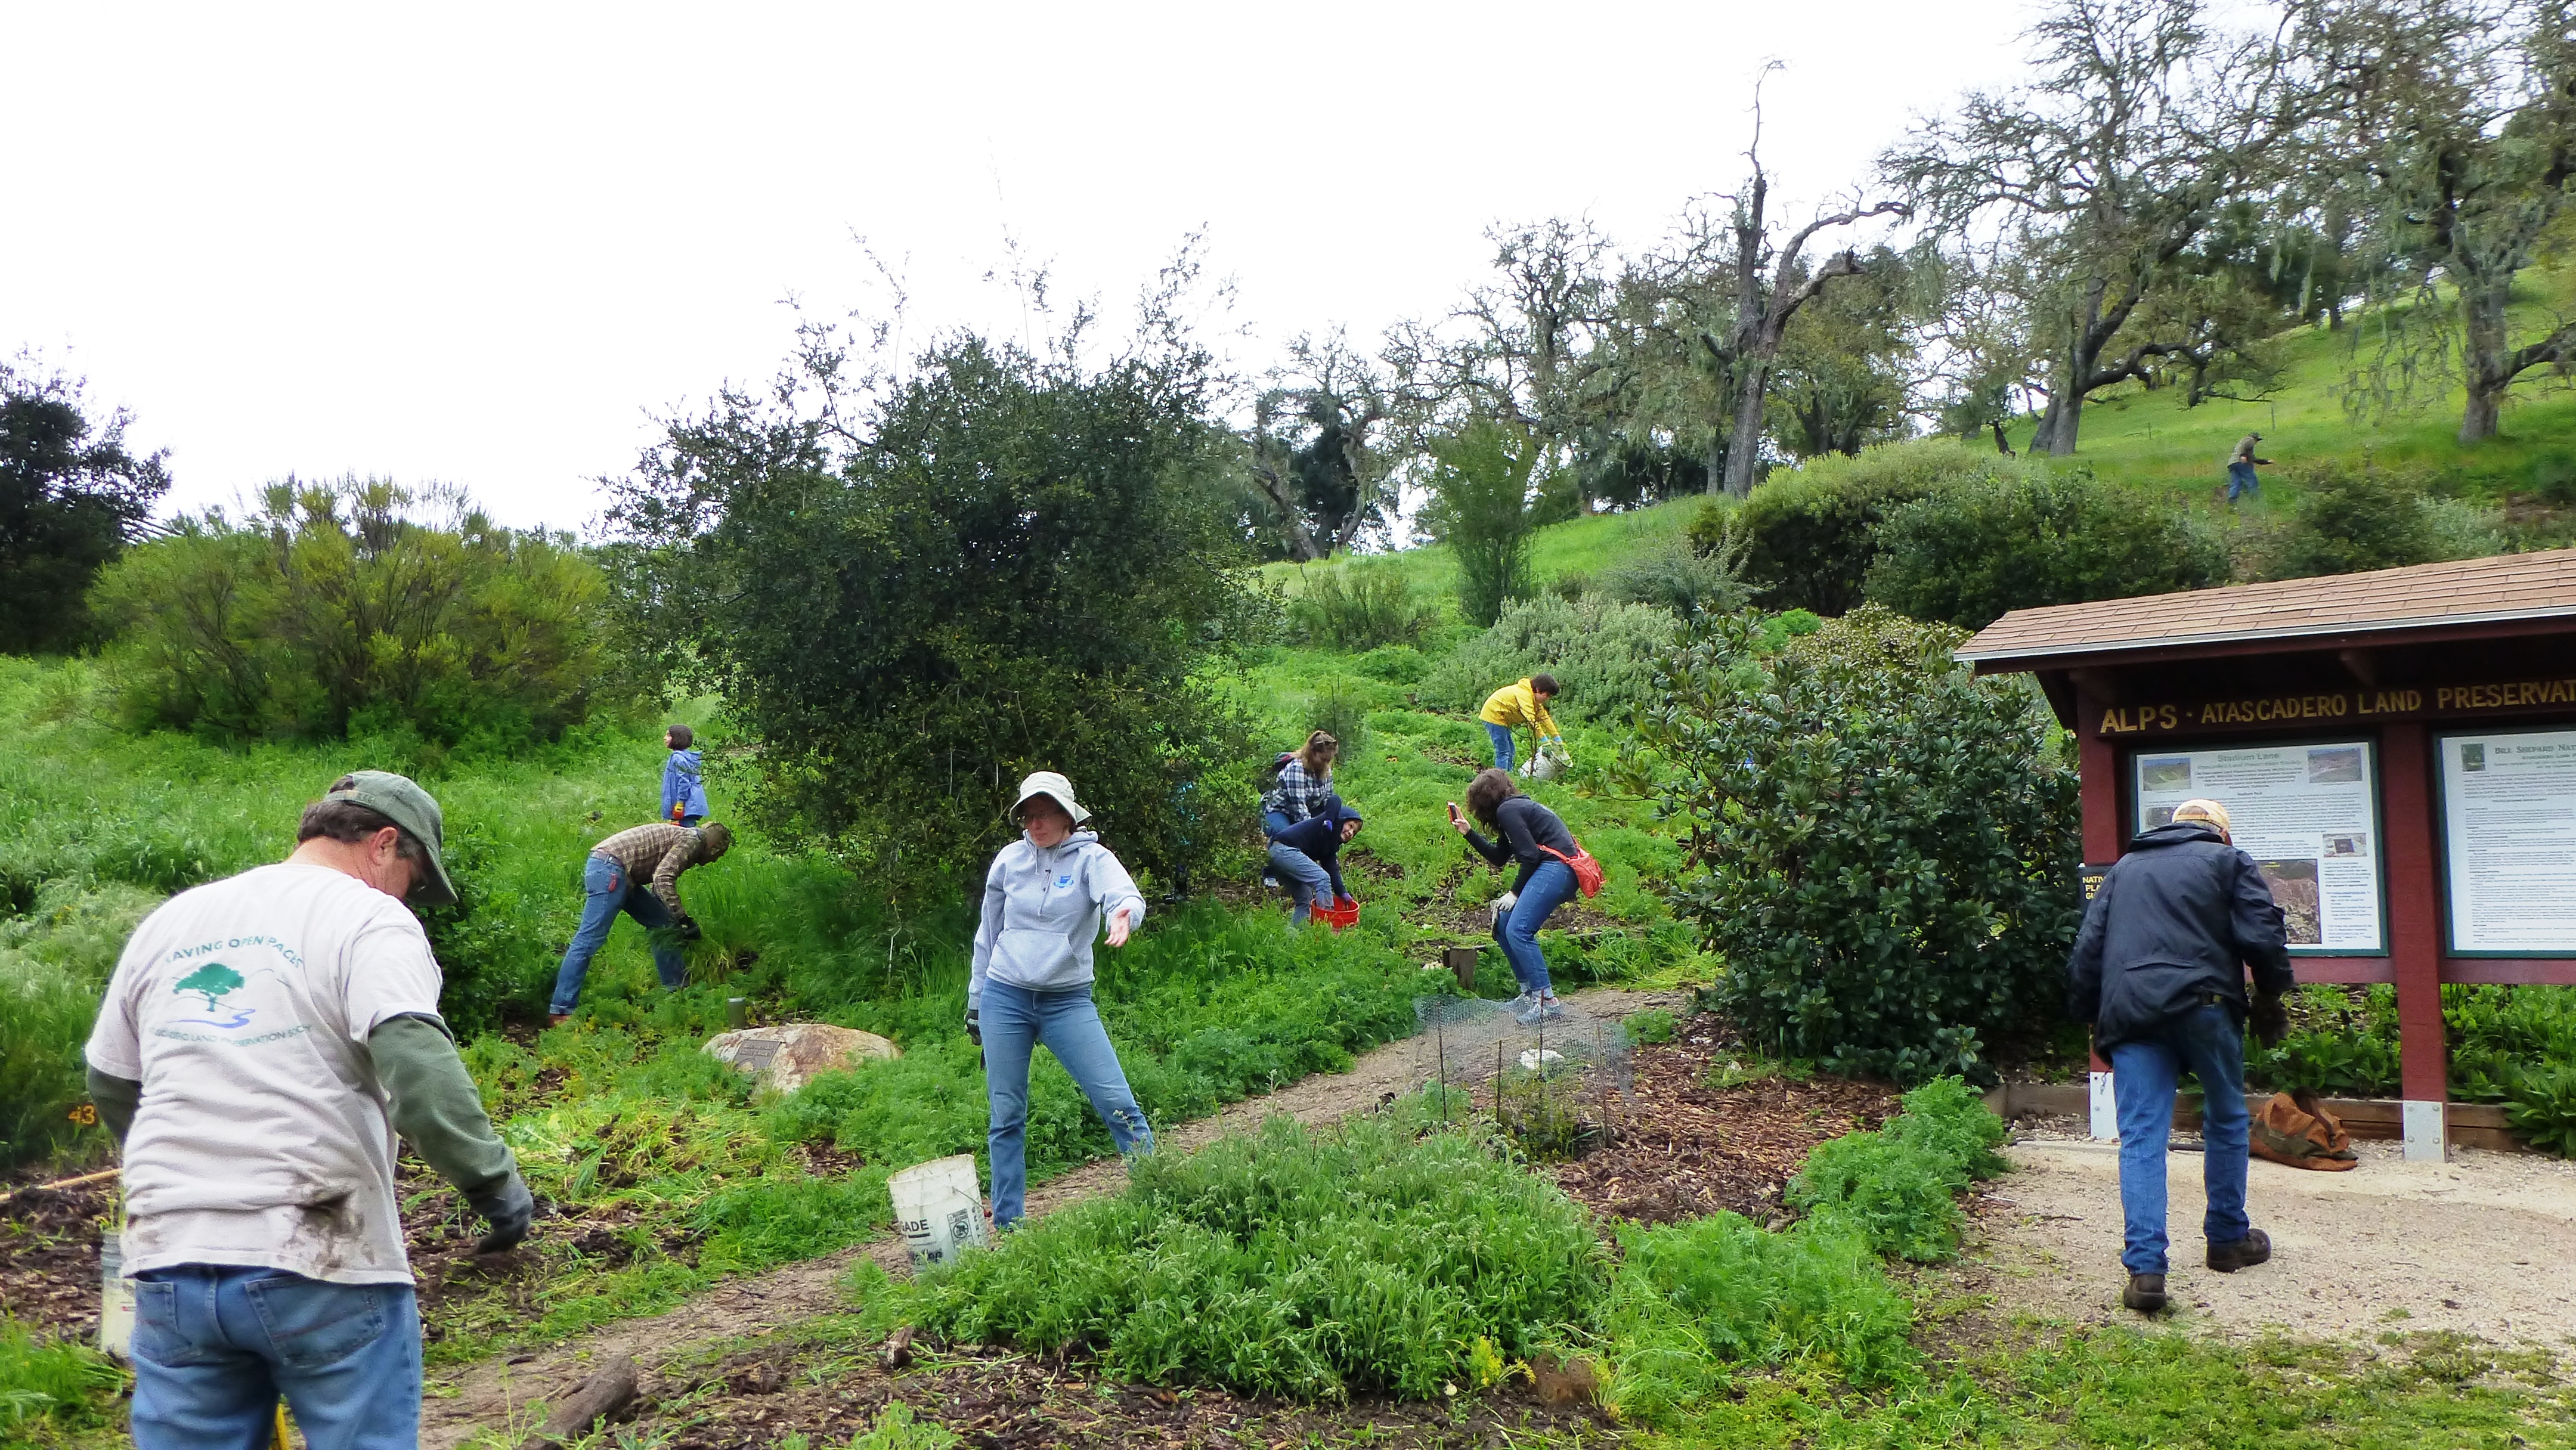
(1504, 903)
(2270, 1019)
(975, 1025)
(507, 1205)
(687, 928)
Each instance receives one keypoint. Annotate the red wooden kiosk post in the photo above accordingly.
(2328, 715)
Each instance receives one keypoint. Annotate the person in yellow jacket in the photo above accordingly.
(1524, 703)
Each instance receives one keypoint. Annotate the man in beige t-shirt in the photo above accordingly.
(261, 1043)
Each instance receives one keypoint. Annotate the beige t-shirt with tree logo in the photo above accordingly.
(262, 1139)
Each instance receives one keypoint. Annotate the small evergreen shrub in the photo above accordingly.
(1295, 1262)
(1480, 509)
(1601, 652)
(1882, 843)
(1980, 549)
(1679, 577)
(1360, 606)
(1895, 1188)
(2351, 521)
(1811, 533)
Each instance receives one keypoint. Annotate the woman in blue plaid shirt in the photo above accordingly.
(1304, 785)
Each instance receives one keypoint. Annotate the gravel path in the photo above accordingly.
(2484, 1244)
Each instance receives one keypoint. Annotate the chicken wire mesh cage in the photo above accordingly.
(1555, 1084)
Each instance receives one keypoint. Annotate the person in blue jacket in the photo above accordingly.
(2159, 970)
(684, 796)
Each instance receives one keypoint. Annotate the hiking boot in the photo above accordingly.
(2146, 1293)
(2254, 1248)
(557, 1019)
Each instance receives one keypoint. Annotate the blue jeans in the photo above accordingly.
(1015, 1021)
(1304, 877)
(2241, 480)
(214, 1347)
(1550, 886)
(2208, 1041)
(1502, 736)
(608, 891)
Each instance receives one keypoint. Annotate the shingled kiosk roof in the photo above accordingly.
(2317, 613)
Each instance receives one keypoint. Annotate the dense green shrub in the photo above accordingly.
(1680, 577)
(55, 958)
(1480, 509)
(1292, 1262)
(1882, 843)
(1895, 1187)
(1810, 533)
(336, 609)
(2506, 1045)
(1984, 547)
(1602, 654)
(1002, 563)
(1360, 606)
(2350, 521)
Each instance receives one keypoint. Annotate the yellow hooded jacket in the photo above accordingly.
(1520, 705)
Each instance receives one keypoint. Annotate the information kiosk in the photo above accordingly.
(2397, 750)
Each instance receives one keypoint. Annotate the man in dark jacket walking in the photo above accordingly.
(2159, 970)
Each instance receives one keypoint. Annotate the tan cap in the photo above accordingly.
(401, 800)
(2209, 811)
(1049, 783)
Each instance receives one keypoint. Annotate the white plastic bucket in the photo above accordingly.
(115, 1298)
(939, 1209)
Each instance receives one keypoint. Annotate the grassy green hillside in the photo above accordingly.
(2149, 438)
(1579, 546)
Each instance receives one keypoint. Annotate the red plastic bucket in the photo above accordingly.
(1344, 912)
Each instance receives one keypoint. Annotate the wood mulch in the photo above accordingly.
(49, 1252)
(1682, 1149)
(997, 1400)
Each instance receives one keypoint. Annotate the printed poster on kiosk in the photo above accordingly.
(2307, 814)
(2509, 841)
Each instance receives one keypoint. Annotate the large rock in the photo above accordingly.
(788, 1056)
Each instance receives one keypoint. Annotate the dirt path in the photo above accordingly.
(2484, 1245)
(495, 1394)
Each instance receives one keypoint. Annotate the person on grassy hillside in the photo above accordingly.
(261, 1043)
(684, 795)
(2241, 478)
(1045, 900)
(1523, 703)
(637, 871)
(1320, 838)
(2159, 970)
(1303, 784)
(1536, 837)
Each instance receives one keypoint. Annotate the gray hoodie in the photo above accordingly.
(1043, 910)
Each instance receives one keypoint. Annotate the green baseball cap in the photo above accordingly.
(399, 799)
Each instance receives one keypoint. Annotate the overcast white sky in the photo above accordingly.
(482, 245)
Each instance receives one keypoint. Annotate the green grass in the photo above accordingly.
(2149, 439)
(1582, 546)
(50, 1391)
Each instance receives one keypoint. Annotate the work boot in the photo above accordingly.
(557, 1019)
(2146, 1293)
(2254, 1248)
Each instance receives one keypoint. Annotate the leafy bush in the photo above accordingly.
(1341, 712)
(1811, 533)
(1677, 576)
(2541, 1107)
(50, 1384)
(1480, 509)
(1360, 606)
(1894, 1187)
(1882, 843)
(334, 610)
(1004, 563)
(1289, 1262)
(1602, 654)
(54, 961)
(1692, 1300)
(2350, 521)
(1981, 548)
(1656, 1024)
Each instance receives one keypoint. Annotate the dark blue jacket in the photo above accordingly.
(2175, 924)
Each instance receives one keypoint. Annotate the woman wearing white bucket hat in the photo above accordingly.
(1044, 902)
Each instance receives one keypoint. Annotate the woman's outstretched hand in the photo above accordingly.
(1457, 821)
(1118, 929)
